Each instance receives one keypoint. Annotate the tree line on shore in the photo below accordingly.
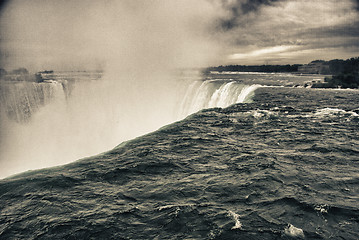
(254, 68)
(345, 73)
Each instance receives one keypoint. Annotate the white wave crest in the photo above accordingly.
(237, 223)
(332, 113)
(293, 231)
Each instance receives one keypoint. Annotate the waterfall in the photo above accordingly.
(19, 101)
(24, 122)
(42, 125)
(215, 93)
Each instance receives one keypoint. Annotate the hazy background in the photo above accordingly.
(63, 34)
(89, 34)
(137, 44)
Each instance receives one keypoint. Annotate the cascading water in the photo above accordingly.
(215, 93)
(19, 101)
(42, 122)
(42, 125)
(27, 112)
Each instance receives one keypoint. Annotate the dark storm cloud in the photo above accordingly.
(318, 37)
(342, 31)
(357, 4)
(3, 52)
(3, 4)
(238, 8)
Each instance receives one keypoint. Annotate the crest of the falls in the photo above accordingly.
(215, 93)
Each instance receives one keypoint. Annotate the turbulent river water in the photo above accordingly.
(282, 164)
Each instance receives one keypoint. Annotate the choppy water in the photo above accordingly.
(284, 166)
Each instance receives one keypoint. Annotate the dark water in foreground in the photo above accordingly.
(282, 167)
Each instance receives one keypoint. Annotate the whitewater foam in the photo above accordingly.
(334, 112)
(257, 114)
(323, 208)
(237, 223)
(330, 113)
(293, 231)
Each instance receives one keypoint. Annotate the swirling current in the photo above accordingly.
(282, 167)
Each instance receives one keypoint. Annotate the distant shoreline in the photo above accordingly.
(344, 73)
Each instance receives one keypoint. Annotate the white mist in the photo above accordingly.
(140, 44)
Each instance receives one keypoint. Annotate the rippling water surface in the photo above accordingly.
(282, 167)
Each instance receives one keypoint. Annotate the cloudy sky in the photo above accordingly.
(64, 34)
(291, 31)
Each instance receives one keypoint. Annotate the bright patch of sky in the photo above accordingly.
(260, 52)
